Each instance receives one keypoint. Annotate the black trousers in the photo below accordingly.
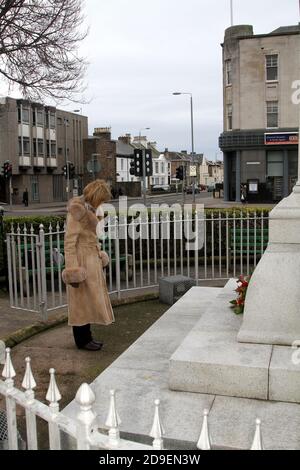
(82, 335)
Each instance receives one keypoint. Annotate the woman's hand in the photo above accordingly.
(75, 285)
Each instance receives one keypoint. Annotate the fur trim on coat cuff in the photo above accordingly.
(73, 275)
(104, 258)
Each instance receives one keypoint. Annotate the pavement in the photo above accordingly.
(60, 207)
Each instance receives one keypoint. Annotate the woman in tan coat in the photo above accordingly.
(88, 299)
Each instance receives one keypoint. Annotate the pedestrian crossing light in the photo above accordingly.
(132, 168)
(7, 169)
(65, 171)
(148, 163)
(180, 173)
(138, 163)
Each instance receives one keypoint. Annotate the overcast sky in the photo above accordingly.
(140, 51)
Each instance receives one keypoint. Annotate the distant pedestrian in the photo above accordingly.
(243, 193)
(25, 198)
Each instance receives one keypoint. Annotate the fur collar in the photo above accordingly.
(88, 220)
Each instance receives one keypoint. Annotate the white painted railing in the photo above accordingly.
(141, 250)
(83, 429)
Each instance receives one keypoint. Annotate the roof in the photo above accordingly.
(287, 29)
(281, 31)
(123, 149)
(185, 157)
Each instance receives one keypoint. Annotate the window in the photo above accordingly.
(40, 118)
(156, 167)
(35, 148)
(122, 164)
(53, 149)
(60, 151)
(40, 147)
(52, 121)
(229, 117)
(20, 146)
(47, 148)
(33, 117)
(272, 114)
(59, 121)
(275, 163)
(25, 115)
(272, 67)
(34, 187)
(228, 73)
(26, 146)
(162, 166)
(19, 114)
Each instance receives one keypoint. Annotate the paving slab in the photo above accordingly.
(232, 423)
(284, 381)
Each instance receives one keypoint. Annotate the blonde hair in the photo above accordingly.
(96, 193)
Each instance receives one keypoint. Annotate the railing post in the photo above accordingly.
(117, 251)
(53, 396)
(41, 245)
(157, 430)
(85, 398)
(9, 374)
(29, 384)
(113, 421)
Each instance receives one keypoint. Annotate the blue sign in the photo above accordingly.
(282, 138)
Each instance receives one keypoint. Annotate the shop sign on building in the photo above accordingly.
(281, 138)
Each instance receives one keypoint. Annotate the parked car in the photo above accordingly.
(189, 189)
(157, 188)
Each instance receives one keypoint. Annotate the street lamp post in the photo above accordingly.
(177, 93)
(144, 163)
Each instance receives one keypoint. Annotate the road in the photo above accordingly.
(60, 208)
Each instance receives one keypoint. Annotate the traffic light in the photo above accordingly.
(180, 173)
(7, 169)
(148, 162)
(65, 171)
(138, 162)
(132, 167)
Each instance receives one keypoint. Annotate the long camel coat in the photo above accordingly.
(84, 261)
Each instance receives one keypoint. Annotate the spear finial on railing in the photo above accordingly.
(257, 441)
(85, 398)
(28, 382)
(53, 394)
(8, 371)
(204, 442)
(157, 431)
(113, 420)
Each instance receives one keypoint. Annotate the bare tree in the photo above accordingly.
(39, 41)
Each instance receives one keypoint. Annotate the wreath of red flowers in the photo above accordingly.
(238, 304)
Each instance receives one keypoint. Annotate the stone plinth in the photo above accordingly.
(272, 308)
(211, 360)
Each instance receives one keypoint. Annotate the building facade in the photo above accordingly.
(161, 171)
(99, 158)
(38, 140)
(260, 137)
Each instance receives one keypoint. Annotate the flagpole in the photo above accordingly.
(231, 12)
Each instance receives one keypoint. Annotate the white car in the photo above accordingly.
(161, 188)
